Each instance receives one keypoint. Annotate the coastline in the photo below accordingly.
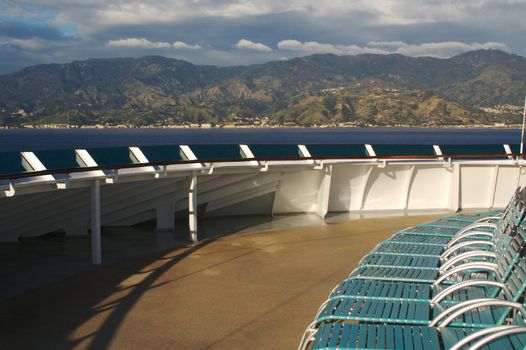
(197, 126)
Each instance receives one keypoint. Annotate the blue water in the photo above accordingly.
(35, 140)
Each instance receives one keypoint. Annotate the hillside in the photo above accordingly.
(476, 87)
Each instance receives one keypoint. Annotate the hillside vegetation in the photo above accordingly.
(481, 87)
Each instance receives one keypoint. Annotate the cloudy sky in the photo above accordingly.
(231, 32)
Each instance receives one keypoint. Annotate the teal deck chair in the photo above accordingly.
(473, 313)
(441, 231)
(438, 234)
(339, 336)
(419, 256)
(374, 289)
(434, 261)
(426, 269)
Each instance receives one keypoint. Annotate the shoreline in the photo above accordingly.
(178, 127)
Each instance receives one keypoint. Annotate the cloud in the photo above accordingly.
(438, 49)
(147, 44)
(209, 31)
(184, 46)
(245, 44)
(136, 42)
(310, 47)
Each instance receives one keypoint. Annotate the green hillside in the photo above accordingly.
(481, 87)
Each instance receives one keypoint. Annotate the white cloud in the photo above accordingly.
(184, 46)
(438, 49)
(245, 44)
(147, 44)
(139, 42)
(309, 47)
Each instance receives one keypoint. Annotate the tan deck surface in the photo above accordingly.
(246, 291)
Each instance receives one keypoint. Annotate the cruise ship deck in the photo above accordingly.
(256, 290)
(160, 247)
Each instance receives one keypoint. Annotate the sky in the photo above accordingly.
(234, 32)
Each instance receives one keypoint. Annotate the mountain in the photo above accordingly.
(482, 87)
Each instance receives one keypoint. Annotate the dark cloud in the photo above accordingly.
(208, 31)
(21, 30)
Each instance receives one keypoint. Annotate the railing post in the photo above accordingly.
(192, 208)
(96, 255)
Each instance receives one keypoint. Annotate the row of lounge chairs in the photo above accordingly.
(456, 283)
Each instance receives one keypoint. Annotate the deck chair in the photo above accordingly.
(450, 251)
(473, 313)
(333, 336)
(426, 269)
(381, 289)
(440, 232)
(388, 253)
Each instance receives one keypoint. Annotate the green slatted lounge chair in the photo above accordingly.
(430, 261)
(340, 336)
(437, 233)
(366, 288)
(446, 229)
(458, 271)
(473, 313)
(426, 269)
(440, 228)
(389, 254)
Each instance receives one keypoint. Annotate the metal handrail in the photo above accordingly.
(15, 176)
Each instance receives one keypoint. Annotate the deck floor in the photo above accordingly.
(245, 291)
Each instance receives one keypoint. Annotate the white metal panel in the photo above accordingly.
(298, 192)
(476, 185)
(385, 189)
(347, 183)
(507, 182)
(430, 187)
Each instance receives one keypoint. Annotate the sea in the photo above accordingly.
(14, 140)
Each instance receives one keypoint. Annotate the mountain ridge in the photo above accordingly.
(483, 87)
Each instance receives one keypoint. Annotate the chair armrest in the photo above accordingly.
(482, 333)
(502, 333)
(466, 255)
(468, 266)
(447, 291)
(468, 234)
(451, 250)
(464, 307)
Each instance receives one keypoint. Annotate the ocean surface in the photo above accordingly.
(38, 140)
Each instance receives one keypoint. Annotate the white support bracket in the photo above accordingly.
(192, 208)
(12, 189)
(96, 248)
(245, 151)
(407, 186)
(382, 164)
(137, 157)
(208, 170)
(30, 162)
(508, 150)
(455, 188)
(493, 186)
(324, 192)
(186, 153)
(438, 151)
